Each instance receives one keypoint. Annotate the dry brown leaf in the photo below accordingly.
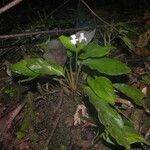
(143, 39)
(142, 45)
(144, 52)
(139, 70)
(144, 90)
(77, 117)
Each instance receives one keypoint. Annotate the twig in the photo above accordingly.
(57, 119)
(124, 101)
(51, 32)
(59, 104)
(58, 8)
(105, 22)
(137, 59)
(9, 5)
(52, 133)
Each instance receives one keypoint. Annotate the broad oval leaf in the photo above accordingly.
(107, 65)
(132, 134)
(66, 41)
(44, 67)
(110, 118)
(135, 94)
(21, 68)
(103, 88)
(95, 50)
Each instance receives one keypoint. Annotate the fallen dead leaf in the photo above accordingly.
(144, 90)
(80, 111)
(6, 120)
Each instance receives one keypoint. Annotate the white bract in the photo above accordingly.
(75, 40)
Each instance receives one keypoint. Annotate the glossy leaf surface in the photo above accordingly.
(21, 68)
(135, 94)
(36, 67)
(103, 88)
(95, 50)
(107, 65)
(44, 67)
(114, 125)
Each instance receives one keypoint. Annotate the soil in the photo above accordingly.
(51, 124)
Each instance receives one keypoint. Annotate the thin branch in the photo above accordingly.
(105, 22)
(59, 104)
(53, 131)
(124, 101)
(9, 5)
(57, 119)
(51, 32)
(60, 6)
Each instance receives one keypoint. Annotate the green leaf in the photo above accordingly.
(44, 67)
(36, 67)
(66, 41)
(80, 46)
(109, 118)
(95, 50)
(114, 125)
(103, 88)
(21, 68)
(135, 94)
(108, 66)
(132, 134)
(128, 42)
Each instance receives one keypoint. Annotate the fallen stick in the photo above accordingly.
(52, 132)
(51, 32)
(9, 5)
(102, 20)
(59, 104)
(124, 101)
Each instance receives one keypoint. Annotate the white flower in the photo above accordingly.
(82, 38)
(74, 39)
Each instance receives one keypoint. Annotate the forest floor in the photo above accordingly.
(39, 115)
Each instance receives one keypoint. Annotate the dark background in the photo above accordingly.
(29, 10)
